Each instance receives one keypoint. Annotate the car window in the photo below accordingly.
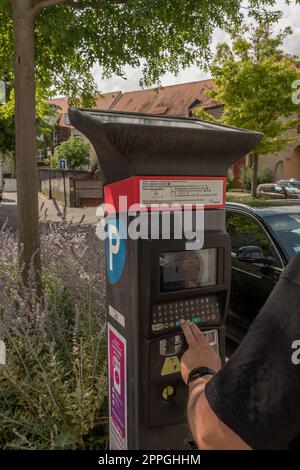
(286, 228)
(246, 231)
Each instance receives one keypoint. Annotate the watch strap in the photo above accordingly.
(200, 372)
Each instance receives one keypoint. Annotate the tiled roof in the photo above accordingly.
(175, 100)
(105, 101)
(62, 103)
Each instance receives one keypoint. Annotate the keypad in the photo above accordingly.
(199, 310)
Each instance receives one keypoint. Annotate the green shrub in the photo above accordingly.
(53, 388)
(230, 183)
(75, 151)
(264, 175)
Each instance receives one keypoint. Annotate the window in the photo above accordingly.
(246, 231)
(66, 119)
(40, 156)
(55, 138)
(278, 189)
(264, 188)
(287, 229)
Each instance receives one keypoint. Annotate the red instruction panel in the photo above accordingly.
(155, 190)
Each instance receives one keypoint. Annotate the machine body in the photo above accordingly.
(155, 280)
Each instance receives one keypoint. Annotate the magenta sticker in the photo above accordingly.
(117, 389)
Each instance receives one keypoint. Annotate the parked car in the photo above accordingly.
(291, 188)
(272, 190)
(279, 190)
(291, 182)
(264, 239)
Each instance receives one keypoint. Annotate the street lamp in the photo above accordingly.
(49, 153)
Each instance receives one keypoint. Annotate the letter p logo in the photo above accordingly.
(115, 250)
(114, 244)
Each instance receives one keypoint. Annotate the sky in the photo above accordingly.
(291, 17)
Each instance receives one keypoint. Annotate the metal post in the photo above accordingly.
(49, 176)
(1, 179)
(65, 193)
(1, 172)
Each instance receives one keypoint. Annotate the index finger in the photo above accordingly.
(187, 332)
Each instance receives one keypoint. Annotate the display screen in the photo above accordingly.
(188, 270)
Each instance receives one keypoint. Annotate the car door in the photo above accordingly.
(252, 283)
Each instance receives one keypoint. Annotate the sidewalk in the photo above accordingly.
(73, 214)
(48, 211)
(8, 211)
(236, 194)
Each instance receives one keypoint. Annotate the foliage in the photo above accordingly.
(263, 201)
(44, 116)
(230, 183)
(264, 175)
(53, 388)
(7, 130)
(74, 150)
(254, 83)
(159, 36)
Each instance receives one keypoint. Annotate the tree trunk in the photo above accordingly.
(254, 177)
(26, 164)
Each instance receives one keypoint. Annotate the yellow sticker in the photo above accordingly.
(168, 393)
(171, 366)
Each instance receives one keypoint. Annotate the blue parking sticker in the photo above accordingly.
(115, 250)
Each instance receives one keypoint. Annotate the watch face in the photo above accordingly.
(200, 372)
(194, 374)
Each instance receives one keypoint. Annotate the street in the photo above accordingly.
(48, 212)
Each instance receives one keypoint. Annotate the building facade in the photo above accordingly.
(180, 100)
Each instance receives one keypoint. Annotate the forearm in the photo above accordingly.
(196, 394)
(208, 431)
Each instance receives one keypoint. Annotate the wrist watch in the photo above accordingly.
(200, 372)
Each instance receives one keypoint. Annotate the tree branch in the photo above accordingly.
(73, 3)
(41, 4)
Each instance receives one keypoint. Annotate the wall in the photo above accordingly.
(87, 192)
(44, 173)
(80, 191)
(57, 185)
(275, 163)
(284, 164)
(292, 164)
(10, 185)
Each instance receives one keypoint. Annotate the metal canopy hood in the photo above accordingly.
(129, 144)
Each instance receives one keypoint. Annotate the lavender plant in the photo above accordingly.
(53, 387)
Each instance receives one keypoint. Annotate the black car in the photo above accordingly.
(264, 238)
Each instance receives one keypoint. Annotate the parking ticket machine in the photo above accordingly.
(157, 274)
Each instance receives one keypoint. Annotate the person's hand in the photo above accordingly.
(199, 352)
